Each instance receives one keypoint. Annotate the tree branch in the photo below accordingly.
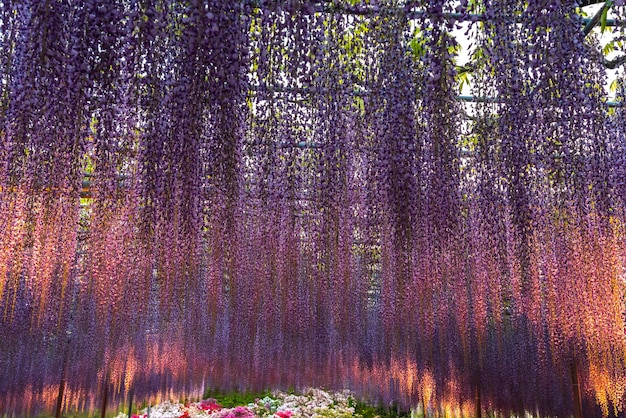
(584, 3)
(596, 18)
(614, 63)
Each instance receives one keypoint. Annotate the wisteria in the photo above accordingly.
(260, 194)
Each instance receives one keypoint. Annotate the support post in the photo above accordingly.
(60, 397)
(130, 403)
(578, 403)
(105, 394)
(62, 383)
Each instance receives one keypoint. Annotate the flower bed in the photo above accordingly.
(312, 403)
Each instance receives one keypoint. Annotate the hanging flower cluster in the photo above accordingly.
(260, 193)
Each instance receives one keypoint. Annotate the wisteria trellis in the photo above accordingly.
(288, 194)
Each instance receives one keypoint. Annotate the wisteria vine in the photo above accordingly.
(254, 194)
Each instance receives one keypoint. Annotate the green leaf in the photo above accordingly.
(416, 47)
(605, 12)
(463, 76)
(360, 104)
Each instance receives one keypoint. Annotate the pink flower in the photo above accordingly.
(240, 412)
(284, 414)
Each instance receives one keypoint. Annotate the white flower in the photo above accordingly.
(312, 403)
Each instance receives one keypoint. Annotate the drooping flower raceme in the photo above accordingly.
(253, 194)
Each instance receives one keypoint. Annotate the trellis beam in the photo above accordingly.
(416, 14)
(373, 10)
(479, 99)
(360, 93)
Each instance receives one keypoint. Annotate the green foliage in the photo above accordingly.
(370, 411)
(613, 45)
(476, 6)
(418, 46)
(359, 104)
(232, 399)
(608, 48)
(463, 74)
(603, 16)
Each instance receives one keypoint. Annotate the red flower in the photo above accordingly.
(284, 414)
(210, 405)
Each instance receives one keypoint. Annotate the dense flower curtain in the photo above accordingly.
(268, 194)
